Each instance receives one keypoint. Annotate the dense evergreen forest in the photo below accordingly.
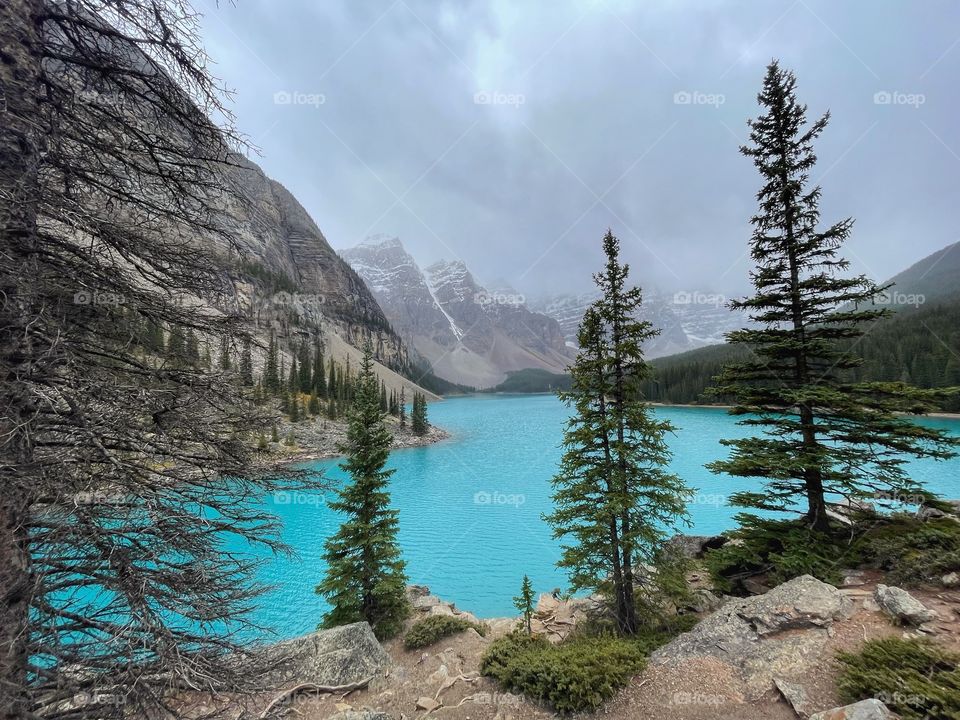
(919, 346)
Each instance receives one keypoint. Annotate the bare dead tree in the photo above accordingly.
(128, 502)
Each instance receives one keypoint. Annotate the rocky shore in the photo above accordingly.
(321, 439)
(765, 657)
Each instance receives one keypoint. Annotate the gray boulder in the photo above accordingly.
(338, 656)
(750, 635)
(902, 606)
(864, 710)
(694, 546)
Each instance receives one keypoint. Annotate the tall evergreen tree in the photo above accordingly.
(403, 408)
(365, 578)
(332, 389)
(271, 370)
(293, 378)
(825, 438)
(304, 377)
(246, 363)
(319, 382)
(614, 498)
(418, 415)
(384, 403)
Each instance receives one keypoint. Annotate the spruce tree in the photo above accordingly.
(365, 577)
(319, 382)
(384, 403)
(824, 438)
(418, 416)
(246, 363)
(271, 372)
(403, 408)
(524, 603)
(303, 362)
(613, 497)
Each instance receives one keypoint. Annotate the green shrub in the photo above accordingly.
(436, 627)
(781, 549)
(578, 674)
(909, 550)
(912, 552)
(915, 678)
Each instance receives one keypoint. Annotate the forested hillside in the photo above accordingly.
(919, 346)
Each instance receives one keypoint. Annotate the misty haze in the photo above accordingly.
(377, 360)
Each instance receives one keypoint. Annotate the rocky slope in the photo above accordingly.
(469, 334)
(686, 320)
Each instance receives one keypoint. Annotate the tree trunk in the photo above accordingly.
(19, 196)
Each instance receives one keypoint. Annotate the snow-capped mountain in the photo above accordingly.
(469, 334)
(686, 320)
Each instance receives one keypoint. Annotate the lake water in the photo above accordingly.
(470, 507)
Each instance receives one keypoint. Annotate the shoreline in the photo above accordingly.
(334, 434)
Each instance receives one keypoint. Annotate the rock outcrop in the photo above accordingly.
(752, 635)
(339, 656)
(902, 606)
(863, 710)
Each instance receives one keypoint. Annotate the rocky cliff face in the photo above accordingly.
(469, 334)
(686, 320)
(288, 277)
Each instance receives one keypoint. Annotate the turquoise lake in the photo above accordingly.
(470, 507)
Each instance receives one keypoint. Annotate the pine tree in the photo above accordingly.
(304, 378)
(613, 496)
(823, 437)
(365, 578)
(271, 372)
(418, 416)
(246, 363)
(293, 378)
(332, 388)
(314, 405)
(332, 408)
(524, 603)
(384, 403)
(403, 408)
(319, 383)
(294, 408)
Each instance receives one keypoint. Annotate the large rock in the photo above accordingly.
(902, 606)
(749, 634)
(864, 710)
(339, 656)
(694, 546)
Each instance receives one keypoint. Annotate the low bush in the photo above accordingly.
(913, 552)
(436, 627)
(578, 674)
(915, 678)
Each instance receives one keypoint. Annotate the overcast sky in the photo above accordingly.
(511, 133)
